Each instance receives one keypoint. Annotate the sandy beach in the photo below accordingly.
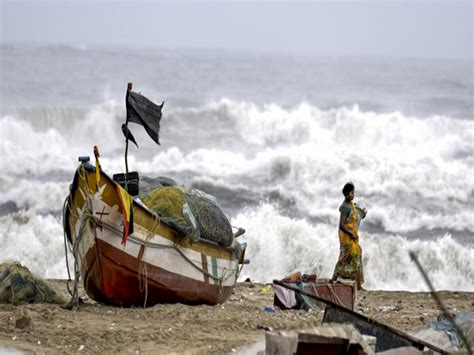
(182, 329)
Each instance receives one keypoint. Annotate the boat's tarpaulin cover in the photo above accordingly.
(19, 286)
(191, 212)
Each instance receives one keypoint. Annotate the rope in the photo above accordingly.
(143, 272)
(334, 296)
(75, 294)
(65, 206)
(219, 280)
(84, 217)
(157, 221)
(316, 293)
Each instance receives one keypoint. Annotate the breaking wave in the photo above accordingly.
(277, 172)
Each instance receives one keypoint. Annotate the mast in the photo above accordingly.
(129, 88)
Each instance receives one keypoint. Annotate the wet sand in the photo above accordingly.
(181, 329)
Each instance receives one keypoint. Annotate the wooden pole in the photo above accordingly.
(129, 88)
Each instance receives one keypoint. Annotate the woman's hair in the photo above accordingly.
(348, 187)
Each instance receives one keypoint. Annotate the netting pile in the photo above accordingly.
(19, 286)
(191, 212)
(148, 184)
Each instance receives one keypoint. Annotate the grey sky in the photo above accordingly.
(414, 29)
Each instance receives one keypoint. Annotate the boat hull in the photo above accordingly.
(155, 265)
(117, 278)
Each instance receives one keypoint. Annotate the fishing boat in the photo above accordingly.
(156, 263)
(128, 254)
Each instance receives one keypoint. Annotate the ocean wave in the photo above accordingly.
(412, 174)
(42, 197)
(34, 240)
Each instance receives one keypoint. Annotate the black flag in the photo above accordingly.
(144, 112)
(128, 134)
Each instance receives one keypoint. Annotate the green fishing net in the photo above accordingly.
(19, 286)
(191, 212)
(168, 203)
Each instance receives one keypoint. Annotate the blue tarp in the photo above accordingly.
(465, 321)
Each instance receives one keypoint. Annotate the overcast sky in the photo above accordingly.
(411, 28)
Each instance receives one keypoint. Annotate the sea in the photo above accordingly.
(272, 136)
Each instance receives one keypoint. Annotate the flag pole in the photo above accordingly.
(129, 88)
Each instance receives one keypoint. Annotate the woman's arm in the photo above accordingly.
(342, 227)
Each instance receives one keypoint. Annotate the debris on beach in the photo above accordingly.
(442, 332)
(342, 292)
(19, 286)
(387, 337)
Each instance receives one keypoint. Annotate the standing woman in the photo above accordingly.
(349, 265)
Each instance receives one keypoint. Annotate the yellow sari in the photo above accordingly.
(349, 264)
